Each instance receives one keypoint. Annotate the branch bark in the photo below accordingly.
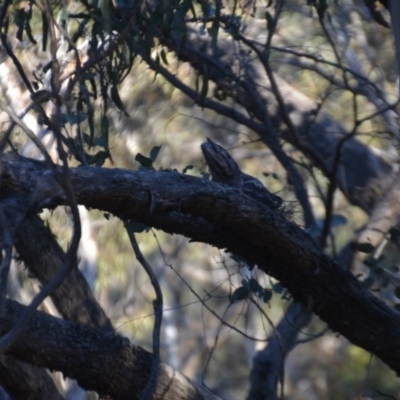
(24, 381)
(225, 217)
(86, 354)
(43, 256)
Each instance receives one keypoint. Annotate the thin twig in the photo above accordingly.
(63, 180)
(158, 312)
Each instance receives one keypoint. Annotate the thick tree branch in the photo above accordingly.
(24, 381)
(85, 354)
(43, 256)
(225, 217)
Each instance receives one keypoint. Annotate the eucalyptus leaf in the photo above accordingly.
(187, 168)
(154, 153)
(45, 31)
(137, 227)
(365, 247)
(255, 287)
(74, 118)
(114, 94)
(338, 220)
(241, 293)
(144, 161)
(266, 295)
(367, 283)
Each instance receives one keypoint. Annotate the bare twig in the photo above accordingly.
(63, 180)
(269, 362)
(158, 312)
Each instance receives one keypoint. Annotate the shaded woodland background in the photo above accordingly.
(331, 154)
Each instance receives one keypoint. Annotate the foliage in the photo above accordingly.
(101, 79)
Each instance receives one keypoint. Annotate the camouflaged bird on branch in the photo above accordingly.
(224, 169)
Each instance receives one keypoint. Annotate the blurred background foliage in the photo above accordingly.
(196, 278)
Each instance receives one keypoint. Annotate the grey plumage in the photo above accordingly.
(224, 169)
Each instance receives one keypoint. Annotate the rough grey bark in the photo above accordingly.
(225, 217)
(43, 256)
(13, 209)
(99, 360)
(27, 382)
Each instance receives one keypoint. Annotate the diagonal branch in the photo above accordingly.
(227, 218)
(85, 354)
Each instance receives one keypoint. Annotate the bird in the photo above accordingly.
(224, 169)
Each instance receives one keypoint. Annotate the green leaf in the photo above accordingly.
(63, 17)
(137, 227)
(378, 270)
(105, 129)
(164, 56)
(101, 142)
(6, 23)
(80, 31)
(19, 18)
(314, 231)
(28, 28)
(73, 118)
(338, 220)
(241, 293)
(85, 95)
(204, 88)
(144, 161)
(286, 295)
(246, 283)
(187, 168)
(266, 295)
(87, 139)
(238, 259)
(213, 31)
(114, 94)
(154, 152)
(370, 262)
(206, 9)
(367, 283)
(277, 288)
(94, 87)
(255, 287)
(99, 158)
(178, 24)
(45, 31)
(365, 247)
